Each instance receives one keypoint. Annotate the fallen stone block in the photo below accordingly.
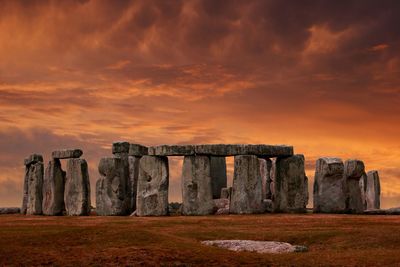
(153, 182)
(66, 154)
(329, 188)
(53, 189)
(197, 198)
(10, 210)
(291, 185)
(77, 188)
(246, 197)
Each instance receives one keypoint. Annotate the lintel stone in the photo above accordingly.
(66, 153)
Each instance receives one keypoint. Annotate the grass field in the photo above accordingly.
(332, 240)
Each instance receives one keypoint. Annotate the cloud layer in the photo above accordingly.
(321, 75)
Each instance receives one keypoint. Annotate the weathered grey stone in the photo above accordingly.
(265, 169)
(77, 188)
(134, 162)
(152, 193)
(171, 150)
(197, 198)
(221, 206)
(175, 208)
(247, 186)
(25, 191)
(120, 147)
(138, 150)
(240, 149)
(33, 159)
(268, 205)
(112, 188)
(218, 175)
(272, 175)
(226, 192)
(291, 185)
(373, 190)
(329, 191)
(66, 153)
(53, 189)
(353, 172)
(10, 210)
(35, 189)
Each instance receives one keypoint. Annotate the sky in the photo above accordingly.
(322, 76)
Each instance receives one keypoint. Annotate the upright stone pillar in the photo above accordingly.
(34, 176)
(53, 189)
(246, 195)
(112, 196)
(32, 159)
(134, 162)
(153, 182)
(197, 190)
(77, 188)
(373, 190)
(218, 175)
(265, 169)
(329, 191)
(354, 170)
(291, 185)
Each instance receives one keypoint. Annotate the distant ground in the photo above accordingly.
(331, 239)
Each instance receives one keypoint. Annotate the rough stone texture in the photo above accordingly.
(272, 175)
(66, 154)
(137, 150)
(240, 149)
(268, 205)
(291, 185)
(246, 195)
(53, 189)
(10, 210)
(218, 175)
(329, 194)
(134, 162)
(112, 188)
(171, 150)
(373, 190)
(363, 188)
(77, 188)
(197, 197)
(391, 211)
(354, 170)
(152, 193)
(33, 159)
(265, 169)
(25, 191)
(35, 189)
(221, 206)
(226, 192)
(273, 247)
(175, 208)
(120, 147)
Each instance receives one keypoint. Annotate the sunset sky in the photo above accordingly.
(323, 76)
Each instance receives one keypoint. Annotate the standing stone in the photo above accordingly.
(112, 191)
(246, 195)
(197, 191)
(373, 191)
(265, 169)
(153, 182)
(272, 175)
(218, 175)
(120, 147)
(329, 195)
(35, 189)
(354, 170)
(134, 162)
(77, 188)
(53, 189)
(291, 185)
(34, 158)
(226, 192)
(363, 188)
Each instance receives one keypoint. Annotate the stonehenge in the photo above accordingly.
(53, 191)
(134, 180)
